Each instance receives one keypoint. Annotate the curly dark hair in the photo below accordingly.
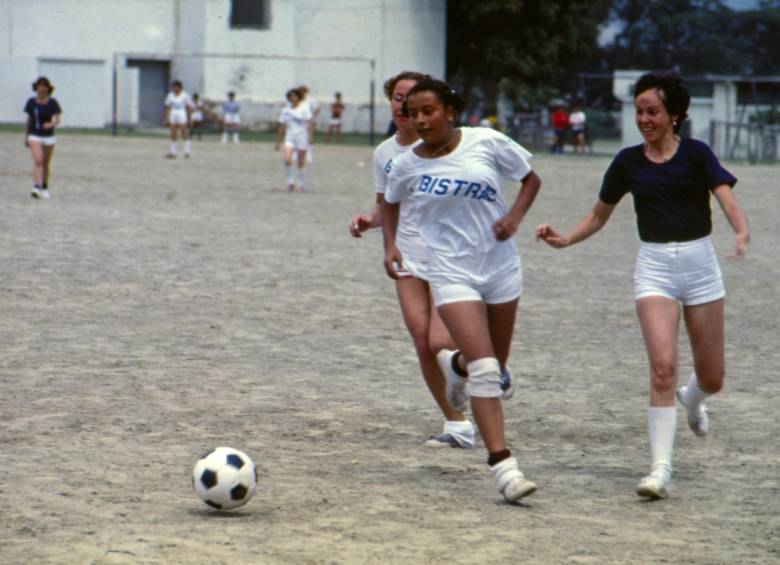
(672, 91)
(296, 91)
(442, 90)
(390, 83)
(44, 81)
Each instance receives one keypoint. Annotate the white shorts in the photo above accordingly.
(298, 142)
(502, 288)
(197, 116)
(687, 271)
(417, 269)
(334, 122)
(43, 140)
(231, 119)
(177, 118)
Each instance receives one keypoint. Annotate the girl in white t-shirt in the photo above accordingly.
(453, 178)
(414, 295)
(178, 109)
(293, 128)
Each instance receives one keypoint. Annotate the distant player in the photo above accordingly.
(314, 110)
(676, 273)
(43, 115)
(178, 111)
(577, 120)
(230, 118)
(414, 293)
(293, 129)
(453, 180)
(334, 124)
(196, 129)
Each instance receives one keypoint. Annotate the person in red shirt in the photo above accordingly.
(560, 123)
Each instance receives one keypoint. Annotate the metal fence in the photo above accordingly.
(745, 141)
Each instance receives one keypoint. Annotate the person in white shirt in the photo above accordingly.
(453, 179)
(423, 322)
(196, 130)
(293, 128)
(178, 109)
(230, 118)
(314, 109)
(577, 124)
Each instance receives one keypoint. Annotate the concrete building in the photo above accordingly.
(108, 54)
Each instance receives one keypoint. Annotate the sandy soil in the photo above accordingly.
(154, 309)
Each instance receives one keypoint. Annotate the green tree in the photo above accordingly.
(529, 47)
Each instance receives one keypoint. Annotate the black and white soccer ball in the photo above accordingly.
(225, 478)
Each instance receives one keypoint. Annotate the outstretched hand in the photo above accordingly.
(547, 233)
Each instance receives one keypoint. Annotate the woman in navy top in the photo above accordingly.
(43, 115)
(671, 180)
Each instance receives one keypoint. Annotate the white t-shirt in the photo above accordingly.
(407, 237)
(312, 104)
(296, 120)
(457, 200)
(577, 119)
(178, 102)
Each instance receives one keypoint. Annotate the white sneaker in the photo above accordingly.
(510, 480)
(698, 420)
(36, 192)
(654, 485)
(455, 434)
(456, 385)
(45, 194)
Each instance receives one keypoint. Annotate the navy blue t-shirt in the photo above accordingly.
(41, 114)
(672, 199)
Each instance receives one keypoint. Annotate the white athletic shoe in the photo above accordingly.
(698, 420)
(36, 192)
(654, 485)
(510, 480)
(455, 434)
(45, 194)
(456, 385)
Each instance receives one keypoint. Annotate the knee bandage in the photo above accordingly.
(484, 378)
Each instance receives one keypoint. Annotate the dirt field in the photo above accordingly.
(153, 309)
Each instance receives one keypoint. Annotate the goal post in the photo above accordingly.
(320, 70)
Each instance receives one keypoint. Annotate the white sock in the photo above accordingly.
(187, 147)
(235, 138)
(224, 137)
(301, 177)
(462, 430)
(174, 148)
(662, 424)
(693, 394)
(288, 173)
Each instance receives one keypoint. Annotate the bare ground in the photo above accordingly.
(154, 309)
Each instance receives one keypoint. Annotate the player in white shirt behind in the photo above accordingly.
(293, 129)
(314, 109)
(231, 119)
(414, 294)
(178, 109)
(453, 179)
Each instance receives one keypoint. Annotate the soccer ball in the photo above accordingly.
(225, 478)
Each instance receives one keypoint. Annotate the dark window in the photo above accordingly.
(251, 14)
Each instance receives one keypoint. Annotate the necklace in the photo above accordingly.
(449, 146)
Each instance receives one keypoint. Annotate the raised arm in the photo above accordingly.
(507, 226)
(592, 223)
(736, 217)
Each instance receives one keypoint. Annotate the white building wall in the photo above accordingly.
(397, 34)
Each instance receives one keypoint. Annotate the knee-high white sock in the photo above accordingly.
(288, 173)
(187, 147)
(235, 138)
(693, 394)
(224, 137)
(301, 176)
(174, 148)
(662, 424)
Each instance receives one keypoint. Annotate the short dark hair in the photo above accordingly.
(672, 91)
(390, 83)
(296, 91)
(231, 94)
(177, 83)
(45, 81)
(443, 92)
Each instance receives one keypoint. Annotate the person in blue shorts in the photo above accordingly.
(43, 115)
(677, 272)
